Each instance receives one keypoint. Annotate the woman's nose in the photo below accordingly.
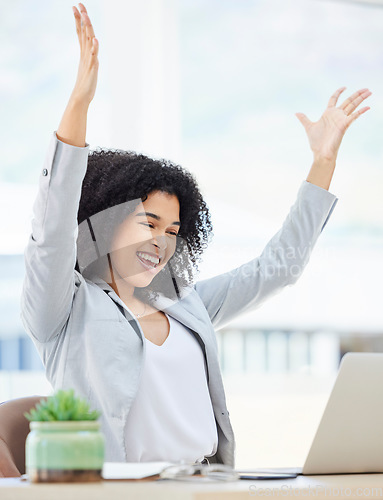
(160, 241)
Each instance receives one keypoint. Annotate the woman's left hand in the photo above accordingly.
(327, 133)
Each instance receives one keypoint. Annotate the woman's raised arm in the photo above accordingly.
(284, 258)
(50, 280)
(72, 128)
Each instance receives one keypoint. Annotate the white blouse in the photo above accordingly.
(172, 417)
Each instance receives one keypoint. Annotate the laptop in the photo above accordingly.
(349, 438)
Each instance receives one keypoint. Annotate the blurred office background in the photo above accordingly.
(213, 85)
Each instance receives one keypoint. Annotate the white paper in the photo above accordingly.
(132, 470)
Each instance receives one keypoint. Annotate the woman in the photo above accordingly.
(108, 295)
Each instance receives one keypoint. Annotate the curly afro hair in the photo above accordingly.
(115, 176)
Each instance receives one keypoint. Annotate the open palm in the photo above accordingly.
(325, 135)
(86, 82)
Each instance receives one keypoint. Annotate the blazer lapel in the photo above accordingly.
(183, 310)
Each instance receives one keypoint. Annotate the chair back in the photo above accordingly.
(14, 428)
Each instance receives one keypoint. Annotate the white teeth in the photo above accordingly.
(154, 260)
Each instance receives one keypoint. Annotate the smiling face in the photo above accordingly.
(146, 240)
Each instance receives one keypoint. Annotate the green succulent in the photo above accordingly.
(63, 405)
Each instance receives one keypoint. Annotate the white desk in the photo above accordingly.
(319, 487)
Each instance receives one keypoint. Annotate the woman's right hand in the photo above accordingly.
(86, 82)
(72, 128)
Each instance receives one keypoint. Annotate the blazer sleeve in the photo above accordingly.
(50, 279)
(282, 261)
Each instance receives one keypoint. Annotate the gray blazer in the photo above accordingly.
(89, 340)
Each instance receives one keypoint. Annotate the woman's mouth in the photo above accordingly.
(149, 261)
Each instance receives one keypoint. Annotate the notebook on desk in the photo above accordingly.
(349, 438)
(132, 471)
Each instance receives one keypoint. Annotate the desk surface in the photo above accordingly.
(319, 487)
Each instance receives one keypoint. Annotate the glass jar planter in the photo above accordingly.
(64, 451)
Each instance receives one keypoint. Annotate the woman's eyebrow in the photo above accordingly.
(157, 217)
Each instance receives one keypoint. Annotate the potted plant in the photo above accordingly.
(65, 442)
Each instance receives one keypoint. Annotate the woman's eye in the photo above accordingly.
(173, 233)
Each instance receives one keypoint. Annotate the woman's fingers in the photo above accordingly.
(95, 47)
(89, 33)
(356, 115)
(86, 81)
(350, 104)
(84, 28)
(303, 119)
(87, 28)
(82, 8)
(334, 98)
(80, 24)
(77, 17)
(86, 21)
(353, 102)
(351, 98)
